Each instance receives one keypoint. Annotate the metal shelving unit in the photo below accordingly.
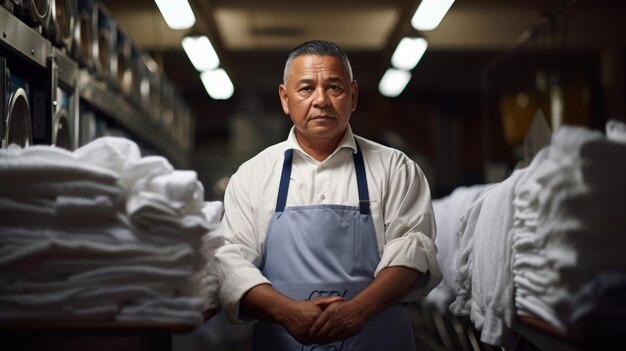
(25, 44)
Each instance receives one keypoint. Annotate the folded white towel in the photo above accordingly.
(112, 153)
(163, 281)
(531, 305)
(27, 234)
(180, 188)
(79, 188)
(149, 203)
(37, 151)
(78, 296)
(67, 313)
(175, 310)
(616, 130)
(81, 207)
(138, 174)
(19, 167)
(51, 259)
(213, 212)
(567, 141)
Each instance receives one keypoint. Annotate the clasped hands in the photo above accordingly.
(325, 319)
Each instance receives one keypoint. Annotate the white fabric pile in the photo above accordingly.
(449, 211)
(548, 241)
(483, 276)
(569, 238)
(103, 234)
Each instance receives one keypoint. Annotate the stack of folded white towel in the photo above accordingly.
(103, 234)
(569, 228)
(548, 241)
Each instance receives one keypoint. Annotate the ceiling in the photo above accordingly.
(253, 37)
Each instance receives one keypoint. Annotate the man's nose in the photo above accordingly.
(321, 98)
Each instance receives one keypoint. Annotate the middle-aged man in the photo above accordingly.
(327, 232)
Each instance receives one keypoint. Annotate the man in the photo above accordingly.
(327, 232)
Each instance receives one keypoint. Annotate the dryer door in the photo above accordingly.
(61, 134)
(18, 129)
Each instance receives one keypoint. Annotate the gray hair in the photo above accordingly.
(318, 48)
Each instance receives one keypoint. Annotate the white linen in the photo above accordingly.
(449, 211)
(568, 237)
(616, 130)
(72, 249)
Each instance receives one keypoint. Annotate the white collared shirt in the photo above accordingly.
(400, 204)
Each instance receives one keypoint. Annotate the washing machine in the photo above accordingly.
(138, 73)
(84, 48)
(106, 60)
(65, 97)
(35, 13)
(168, 101)
(125, 72)
(181, 128)
(62, 22)
(146, 83)
(16, 126)
(61, 129)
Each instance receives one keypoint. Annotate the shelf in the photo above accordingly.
(24, 39)
(28, 44)
(68, 68)
(100, 327)
(106, 327)
(543, 335)
(104, 99)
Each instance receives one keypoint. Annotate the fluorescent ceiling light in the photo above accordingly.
(177, 13)
(393, 82)
(201, 52)
(408, 53)
(217, 84)
(430, 13)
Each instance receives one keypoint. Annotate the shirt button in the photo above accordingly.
(322, 197)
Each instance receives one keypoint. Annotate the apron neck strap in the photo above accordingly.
(361, 179)
(284, 181)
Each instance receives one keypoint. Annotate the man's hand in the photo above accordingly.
(264, 303)
(339, 321)
(345, 319)
(299, 316)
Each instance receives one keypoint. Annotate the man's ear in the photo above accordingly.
(282, 93)
(355, 94)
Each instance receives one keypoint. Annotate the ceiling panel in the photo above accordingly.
(263, 28)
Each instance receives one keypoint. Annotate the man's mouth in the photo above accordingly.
(321, 117)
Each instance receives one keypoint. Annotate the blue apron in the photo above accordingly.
(327, 250)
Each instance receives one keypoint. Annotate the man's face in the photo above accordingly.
(319, 97)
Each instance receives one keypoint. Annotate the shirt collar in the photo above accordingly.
(346, 142)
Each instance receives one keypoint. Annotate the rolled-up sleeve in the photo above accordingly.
(410, 228)
(239, 259)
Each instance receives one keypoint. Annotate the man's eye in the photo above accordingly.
(305, 89)
(335, 89)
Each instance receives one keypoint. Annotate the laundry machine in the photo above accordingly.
(36, 13)
(62, 22)
(125, 72)
(168, 101)
(65, 98)
(16, 125)
(147, 83)
(84, 47)
(106, 59)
